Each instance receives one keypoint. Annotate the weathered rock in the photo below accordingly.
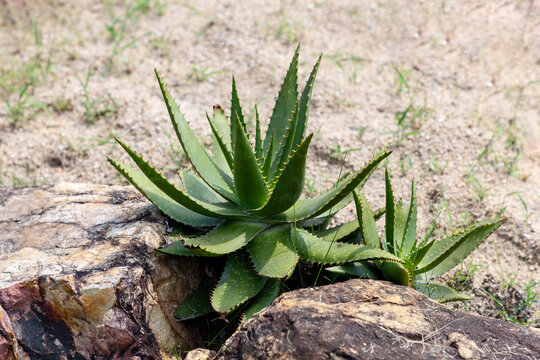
(79, 278)
(365, 319)
(200, 354)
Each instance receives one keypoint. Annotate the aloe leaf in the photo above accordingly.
(258, 140)
(284, 151)
(409, 237)
(314, 249)
(236, 115)
(441, 293)
(268, 160)
(222, 126)
(358, 269)
(161, 200)
(221, 210)
(303, 109)
(366, 221)
(238, 283)
(198, 189)
(336, 196)
(418, 254)
(284, 147)
(227, 237)
(390, 214)
(249, 182)
(175, 248)
(330, 213)
(289, 185)
(395, 273)
(452, 250)
(340, 231)
(431, 228)
(179, 249)
(264, 298)
(273, 253)
(196, 304)
(400, 222)
(284, 107)
(212, 174)
(221, 153)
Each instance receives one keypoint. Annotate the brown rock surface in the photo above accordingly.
(366, 319)
(79, 279)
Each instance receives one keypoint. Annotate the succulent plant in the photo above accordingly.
(421, 261)
(245, 198)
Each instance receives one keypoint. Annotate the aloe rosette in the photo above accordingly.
(421, 261)
(245, 198)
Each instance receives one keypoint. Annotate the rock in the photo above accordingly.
(200, 354)
(366, 319)
(79, 278)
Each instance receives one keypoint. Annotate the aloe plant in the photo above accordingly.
(421, 261)
(245, 198)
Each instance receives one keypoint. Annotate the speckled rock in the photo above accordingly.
(79, 278)
(200, 354)
(366, 319)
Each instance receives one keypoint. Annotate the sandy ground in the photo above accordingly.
(472, 74)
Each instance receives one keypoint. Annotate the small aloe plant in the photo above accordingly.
(246, 198)
(421, 261)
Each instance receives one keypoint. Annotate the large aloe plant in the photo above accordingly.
(246, 194)
(421, 261)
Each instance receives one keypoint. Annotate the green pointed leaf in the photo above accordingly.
(268, 160)
(409, 237)
(227, 237)
(284, 107)
(215, 177)
(269, 293)
(390, 215)
(258, 140)
(219, 210)
(196, 304)
(314, 249)
(303, 109)
(284, 147)
(179, 249)
(222, 126)
(220, 152)
(441, 293)
(418, 254)
(161, 200)
(238, 283)
(340, 231)
(236, 115)
(366, 221)
(249, 182)
(431, 228)
(175, 248)
(273, 253)
(359, 269)
(400, 215)
(395, 273)
(336, 196)
(289, 185)
(452, 250)
(198, 189)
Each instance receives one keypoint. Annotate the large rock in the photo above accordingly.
(366, 319)
(79, 278)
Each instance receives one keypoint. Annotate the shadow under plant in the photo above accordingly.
(241, 209)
